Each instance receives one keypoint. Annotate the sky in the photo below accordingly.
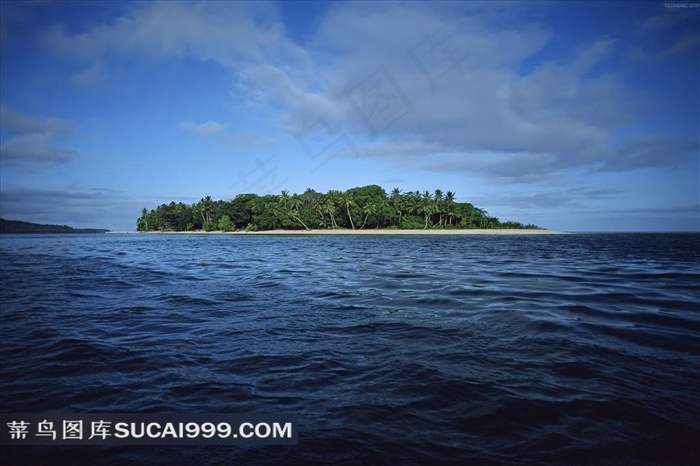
(576, 116)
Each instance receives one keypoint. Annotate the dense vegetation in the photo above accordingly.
(14, 226)
(357, 208)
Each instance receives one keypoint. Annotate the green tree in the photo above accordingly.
(142, 223)
(336, 209)
(329, 207)
(438, 205)
(398, 204)
(426, 207)
(225, 223)
(205, 208)
(312, 211)
(284, 208)
(347, 202)
(369, 209)
(366, 203)
(266, 213)
(296, 206)
(450, 206)
(240, 209)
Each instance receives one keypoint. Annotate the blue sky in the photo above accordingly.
(577, 116)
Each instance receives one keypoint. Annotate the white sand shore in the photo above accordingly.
(366, 232)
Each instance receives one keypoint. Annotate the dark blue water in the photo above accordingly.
(392, 350)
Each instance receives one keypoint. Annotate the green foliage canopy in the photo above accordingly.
(366, 207)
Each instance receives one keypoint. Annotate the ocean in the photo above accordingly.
(524, 350)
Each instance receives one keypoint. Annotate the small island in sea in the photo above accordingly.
(362, 209)
(15, 226)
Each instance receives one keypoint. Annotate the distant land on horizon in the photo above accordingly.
(16, 226)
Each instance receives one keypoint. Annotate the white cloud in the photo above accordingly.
(687, 42)
(32, 139)
(655, 42)
(656, 53)
(206, 129)
(453, 74)
(90, 76)
(226, 32)
(38, 147)
(81, 208)
(652, 150)
(16, 122)
(593, 54)
(574, 197)
(667, 18)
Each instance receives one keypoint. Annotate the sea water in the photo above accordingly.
(391, 349)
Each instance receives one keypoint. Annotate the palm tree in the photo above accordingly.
(277, 210)
(318, 204)
(397, 203)
(426, 207)
(329, 208)
(347, 202)
(438, 204)
(284, 197)
(296, 206)
(282, 211)
(204, 208)
(381, 210)
(411, 202)
(144, 218)
(450, 205)
(368, 209)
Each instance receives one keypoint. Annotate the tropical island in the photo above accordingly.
(15, 226)
(362, 208)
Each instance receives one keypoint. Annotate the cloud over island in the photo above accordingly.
(514, 97)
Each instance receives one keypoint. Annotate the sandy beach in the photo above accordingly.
(365, 232)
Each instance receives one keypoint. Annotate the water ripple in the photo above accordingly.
(416, 350)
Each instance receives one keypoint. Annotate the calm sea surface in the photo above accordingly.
(391, 349)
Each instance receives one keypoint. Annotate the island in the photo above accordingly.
(15, 226)
(357, 209)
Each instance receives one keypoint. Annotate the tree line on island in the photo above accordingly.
(366, 207)
(16, 226)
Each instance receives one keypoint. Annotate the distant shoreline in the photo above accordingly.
(20, 227)
(363, 232)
